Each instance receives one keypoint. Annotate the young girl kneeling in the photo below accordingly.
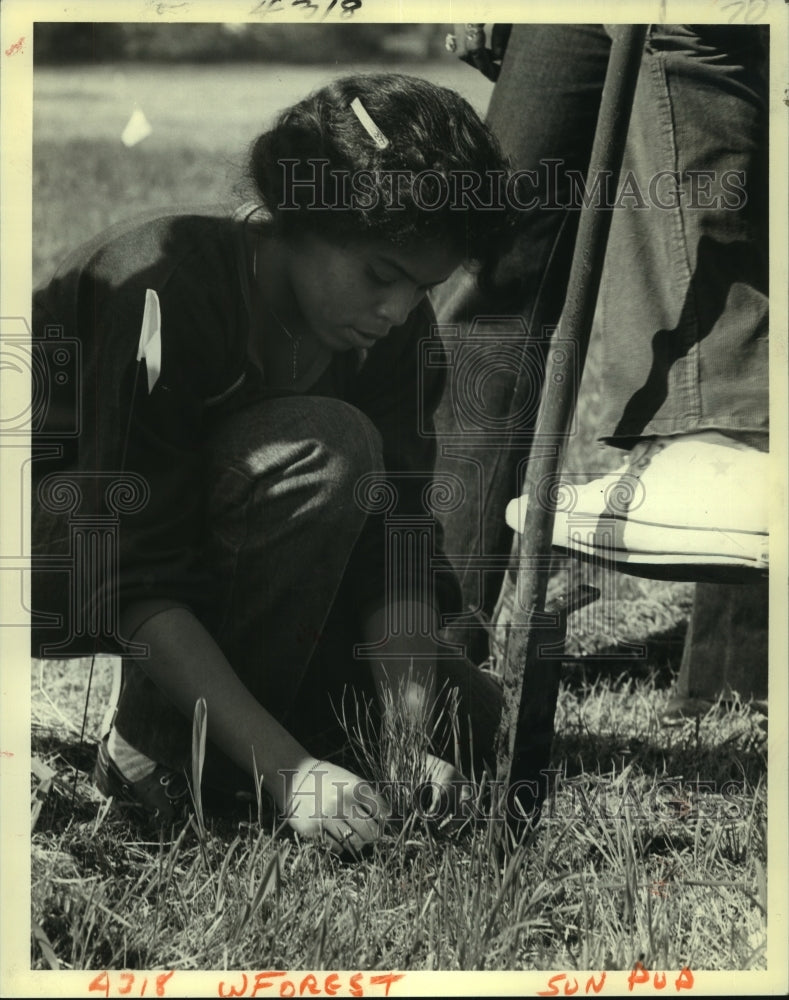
(254, 383)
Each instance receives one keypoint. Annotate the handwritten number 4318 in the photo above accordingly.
(308, 8)
(126, 982)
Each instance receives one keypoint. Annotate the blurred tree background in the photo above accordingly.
(106, 42)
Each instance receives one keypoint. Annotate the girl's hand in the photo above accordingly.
(451, 793)
(326, 802)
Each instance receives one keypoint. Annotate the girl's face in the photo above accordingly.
(351, 294)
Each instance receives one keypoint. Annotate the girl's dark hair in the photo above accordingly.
(350, 187)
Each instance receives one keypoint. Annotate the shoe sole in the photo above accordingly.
(665, 552)
(670, 570)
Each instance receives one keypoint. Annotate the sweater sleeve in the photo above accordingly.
(149, 443)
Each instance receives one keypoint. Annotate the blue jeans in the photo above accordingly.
(291, 551)
(683, 305)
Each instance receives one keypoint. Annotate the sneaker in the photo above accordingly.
(688, 507)
(163, 796)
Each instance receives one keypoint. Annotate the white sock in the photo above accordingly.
(132, 764)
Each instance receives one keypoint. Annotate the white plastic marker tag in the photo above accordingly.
(150, 347)
(137, 128)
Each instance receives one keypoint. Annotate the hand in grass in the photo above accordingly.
(328, 802)
(452, 791)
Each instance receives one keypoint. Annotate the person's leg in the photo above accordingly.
(684, 307)
(544, 111)
(725, 653)
(683, 320)
(281, 526)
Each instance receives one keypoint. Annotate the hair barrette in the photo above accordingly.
(369, 125)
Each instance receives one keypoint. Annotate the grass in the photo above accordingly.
(632, 858)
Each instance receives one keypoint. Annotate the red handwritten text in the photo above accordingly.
(640, 975)
(16, 47)
(268, 983)
(129, 985)
(564, 985)
(592, 985)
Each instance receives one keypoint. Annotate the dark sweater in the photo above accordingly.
(198, 267)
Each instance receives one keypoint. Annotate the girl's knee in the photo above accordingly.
(349, 440)
(308, 451)
(340, 447)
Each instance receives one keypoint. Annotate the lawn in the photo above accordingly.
(653, 847)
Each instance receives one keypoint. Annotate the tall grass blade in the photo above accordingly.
(199, 735)
(45, 946)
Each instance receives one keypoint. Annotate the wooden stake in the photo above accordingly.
(531, 685)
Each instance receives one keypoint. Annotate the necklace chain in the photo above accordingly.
(295, 341)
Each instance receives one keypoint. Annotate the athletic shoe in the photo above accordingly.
(688, 507)
(162, 796)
